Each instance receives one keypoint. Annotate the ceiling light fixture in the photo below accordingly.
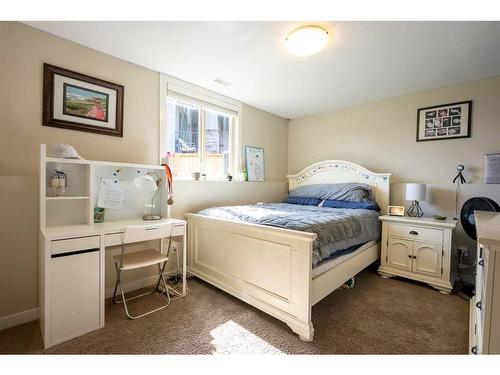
(307, 40)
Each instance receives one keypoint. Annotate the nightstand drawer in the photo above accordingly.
(416, 233)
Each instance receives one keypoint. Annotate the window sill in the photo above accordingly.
(178, 179)
(200, 180)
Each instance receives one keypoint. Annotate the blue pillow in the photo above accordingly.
(352, 192)
(304, 201)
(367, 204)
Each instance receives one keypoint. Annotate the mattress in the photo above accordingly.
(332, 262)
(337, 229)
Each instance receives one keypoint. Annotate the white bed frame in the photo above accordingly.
(271, 268)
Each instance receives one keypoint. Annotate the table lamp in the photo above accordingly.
(153, 181)
(415, 193)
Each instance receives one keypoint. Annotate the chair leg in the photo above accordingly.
(167, 288)
(124, 300)
(162, 276)
(161, 269)
(118, 284)
(118, 273)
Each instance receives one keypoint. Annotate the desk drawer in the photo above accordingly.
(178, 229)
(114, 239)
(75, 244)
(416, 233)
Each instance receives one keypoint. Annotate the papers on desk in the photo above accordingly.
(111, 194)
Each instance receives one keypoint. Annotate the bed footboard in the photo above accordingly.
(266, 267)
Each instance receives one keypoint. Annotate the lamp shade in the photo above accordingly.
(416, 192)
(146, 178)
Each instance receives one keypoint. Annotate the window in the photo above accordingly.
(199, 135)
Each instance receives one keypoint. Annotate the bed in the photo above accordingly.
(271, 267)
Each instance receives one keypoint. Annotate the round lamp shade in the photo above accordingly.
(146, 179)
(416, 192)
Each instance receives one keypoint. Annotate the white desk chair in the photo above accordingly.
(143, 258)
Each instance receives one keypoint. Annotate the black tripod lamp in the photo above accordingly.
(415, 193)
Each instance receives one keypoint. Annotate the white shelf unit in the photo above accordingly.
(76, 205)
(78, 177)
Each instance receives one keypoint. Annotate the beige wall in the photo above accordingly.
(23, 52)
(381, 137)
(270, 132)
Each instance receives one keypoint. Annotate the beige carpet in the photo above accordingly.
(377, 316)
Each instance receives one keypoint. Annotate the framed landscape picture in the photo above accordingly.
(79, 102)
(444, 122)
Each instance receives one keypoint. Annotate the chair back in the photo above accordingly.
(138, 233)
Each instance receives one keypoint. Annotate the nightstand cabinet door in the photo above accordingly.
(399, 254)
(427, 258)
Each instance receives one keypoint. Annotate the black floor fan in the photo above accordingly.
(467, 213)
(469, 224)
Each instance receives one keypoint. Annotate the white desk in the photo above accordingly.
(72, 293)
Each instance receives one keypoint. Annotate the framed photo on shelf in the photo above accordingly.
(255, 163)
(445, 121)
(79, 102)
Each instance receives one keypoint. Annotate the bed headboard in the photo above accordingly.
(338, 171)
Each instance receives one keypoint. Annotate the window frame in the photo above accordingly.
(173, 87)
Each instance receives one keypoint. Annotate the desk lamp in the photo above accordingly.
(153, 181)
(415, 193)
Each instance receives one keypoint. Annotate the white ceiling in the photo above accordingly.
(364, 61)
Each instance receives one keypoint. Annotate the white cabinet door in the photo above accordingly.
(427, 259)
(399, 254)
(74, 295)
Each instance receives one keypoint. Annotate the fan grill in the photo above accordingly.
(467, 213)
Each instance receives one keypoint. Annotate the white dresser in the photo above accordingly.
(418, 249)
(484, 327)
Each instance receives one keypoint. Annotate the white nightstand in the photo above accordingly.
(417, 248)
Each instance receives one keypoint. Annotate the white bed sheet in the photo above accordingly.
(322, 268)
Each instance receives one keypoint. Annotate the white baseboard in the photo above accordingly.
(18, 318)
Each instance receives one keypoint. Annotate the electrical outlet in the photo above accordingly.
(174, 247)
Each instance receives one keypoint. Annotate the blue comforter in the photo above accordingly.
(337, 228)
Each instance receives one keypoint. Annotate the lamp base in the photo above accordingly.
(151, 217)
(415, 210)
